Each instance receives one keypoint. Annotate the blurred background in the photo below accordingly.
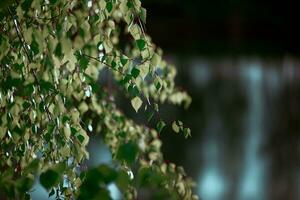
(239, 60)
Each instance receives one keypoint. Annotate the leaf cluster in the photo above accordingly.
(52, 53)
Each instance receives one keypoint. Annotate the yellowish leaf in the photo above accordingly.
(136, 103)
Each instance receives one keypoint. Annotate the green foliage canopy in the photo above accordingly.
(52, 53)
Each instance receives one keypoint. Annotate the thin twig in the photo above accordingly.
(24, 45)
(104, 63)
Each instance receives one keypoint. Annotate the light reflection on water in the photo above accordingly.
(99, 154)
(252, 179)
(213, 183)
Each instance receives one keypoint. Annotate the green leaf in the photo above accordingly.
(135, 72)
(52, 2)
(126, 79)
(175, 127)
(180, 123)
(50, 129)
(160, 125)
(122, 134)
(101, 174)
(133, 90)
(80, 138)
(141, 44)
(127, 152)
(51, 193)
(25, 183)
(109, 6)
(150, 115)
(12, 82)
(90, 191)
(123, 180)
(18, 67)
(187, 132)
(95, 183)
(155, 60)
(58, 51)
(73, 131)
(157, 85)
(143, 14)
(34, 47)
(65, 119)
(136, 103)
(26, 105)
(3, 6)
(129, 4)
(113, 64)
(46, 86)
(123, 61)
(42, 106)
(148, 176)
(26, 5)
(27, 90)
(83, 62)
(49, 179)
(108, 174)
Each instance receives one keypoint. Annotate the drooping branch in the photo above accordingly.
(24, 45)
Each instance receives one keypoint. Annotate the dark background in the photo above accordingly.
(225, 26)
(239, 60)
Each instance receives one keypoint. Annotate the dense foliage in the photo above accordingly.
(53, 54)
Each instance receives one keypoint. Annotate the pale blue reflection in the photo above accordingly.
(200, 72)
(99, 154)
(252, 179)
(212, 185)
(39, 193)
(115, 193)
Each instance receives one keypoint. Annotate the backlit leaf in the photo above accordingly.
(136, 103)
(175, 127)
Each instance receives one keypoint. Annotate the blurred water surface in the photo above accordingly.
(245, 125)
